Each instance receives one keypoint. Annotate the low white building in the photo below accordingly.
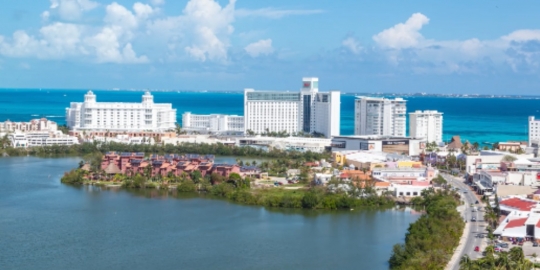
(31, 139)
(213, 123)
(322, 178)
(301, 144)
(400, 145)
(401, 190)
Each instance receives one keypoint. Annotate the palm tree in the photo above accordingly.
(516, 254)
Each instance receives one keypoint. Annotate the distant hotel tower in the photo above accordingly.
(427, 125)
(119, 116)
(380, 116)
(307, 111)
(534, 131)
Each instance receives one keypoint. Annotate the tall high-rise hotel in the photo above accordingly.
(380, 116)
(308, 111)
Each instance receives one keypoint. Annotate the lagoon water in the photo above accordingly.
(47, 225)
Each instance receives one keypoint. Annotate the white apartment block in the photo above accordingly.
(41, 124)
(307, 111)
(213, 123)
(91, 115)
(41, 138)
(534, 131)
(427, 125)
(380, 116)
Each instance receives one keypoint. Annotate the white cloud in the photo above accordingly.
(403, 35)
(273, 13)
(109, 44)
(202, 31)
(352, 45)
(403, 43)
(71, 10)
(261, 47)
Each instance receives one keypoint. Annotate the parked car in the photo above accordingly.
(480, 235)
(503, 245)
(473, 209)
(535, 244)
(498, 249)
(476, 202)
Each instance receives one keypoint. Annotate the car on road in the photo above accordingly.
(464, 191)
(477, 248)
(535, 244)
(476, 202)
(473, 209)
(473, 219)
(480, 235)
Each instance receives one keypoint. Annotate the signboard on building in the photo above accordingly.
(399, 146)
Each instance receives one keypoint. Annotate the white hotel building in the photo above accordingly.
(380, 116)
(214, 123)
(534, 131)
(119, 116)
(427, 125)
(306, 111)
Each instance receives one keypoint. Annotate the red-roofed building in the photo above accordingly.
(517, 204)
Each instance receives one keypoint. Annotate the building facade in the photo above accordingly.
(392, 145)
(307, 111)
(534, 130)
(42, 124)
(426, 124)
(380, 116)
(213, 123)
(91, 115)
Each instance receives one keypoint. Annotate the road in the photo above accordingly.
(474, 228)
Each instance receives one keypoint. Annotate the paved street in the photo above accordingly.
(472, 229)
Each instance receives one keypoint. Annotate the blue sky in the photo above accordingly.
(486, 47)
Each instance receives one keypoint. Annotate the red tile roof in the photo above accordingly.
(516, 223)
(519, 204)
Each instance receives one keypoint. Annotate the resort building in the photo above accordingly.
(307, 111)
(41, 124)
(213, 123)
(427, 125)
(380, 116)
(388, 144)
(91, 115)
(170, 165)
(534, 130)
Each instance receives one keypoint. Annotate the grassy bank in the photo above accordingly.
(431, 240)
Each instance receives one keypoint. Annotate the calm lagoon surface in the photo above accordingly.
(47, 225)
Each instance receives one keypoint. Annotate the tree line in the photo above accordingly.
(431, 240)
(192, 148)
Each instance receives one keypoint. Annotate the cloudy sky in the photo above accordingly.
(355, 46)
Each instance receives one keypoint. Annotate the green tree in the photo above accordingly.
(196, 176)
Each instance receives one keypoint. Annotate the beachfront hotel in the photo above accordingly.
(213, 123)
(534, 131)
(307, 111)
(427, 125)
(147, 116)
(380, 116)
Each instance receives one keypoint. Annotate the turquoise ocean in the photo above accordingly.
(474, 119)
